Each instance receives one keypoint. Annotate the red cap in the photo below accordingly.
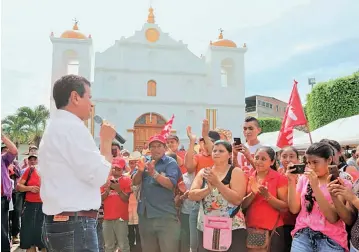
(157, 138)
(119, 162)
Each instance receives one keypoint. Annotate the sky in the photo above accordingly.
(285, 39)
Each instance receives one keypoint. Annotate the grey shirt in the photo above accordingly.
(187, 204)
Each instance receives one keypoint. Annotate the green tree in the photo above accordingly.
(270, 124)
(36, 120)
(332, 100)
(26, 125)
(16, 128)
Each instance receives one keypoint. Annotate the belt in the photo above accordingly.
(89, 213)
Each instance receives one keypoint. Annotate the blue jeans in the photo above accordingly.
(193, 219)
(306, 240)
(77, 234)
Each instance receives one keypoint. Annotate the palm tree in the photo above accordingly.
(36, 121)
(16, 128)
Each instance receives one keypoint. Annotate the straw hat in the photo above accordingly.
(136, 155)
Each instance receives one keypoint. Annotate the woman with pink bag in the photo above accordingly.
(220, 189)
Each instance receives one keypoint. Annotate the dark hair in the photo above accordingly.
(214, 135)
(226, 145)
(271, 154)
(289, 148)
(116, 144)
(353, 152)
(64, 86)
(332, 143)
(323, 150)
(252, 119)
(173, 137)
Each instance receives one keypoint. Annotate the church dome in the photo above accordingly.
(74, 33)
(223, 42)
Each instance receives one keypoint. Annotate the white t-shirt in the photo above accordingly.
(242, 161)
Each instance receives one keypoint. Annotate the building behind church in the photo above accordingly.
(141, 80)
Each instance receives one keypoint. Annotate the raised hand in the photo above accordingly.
(107, 131)
(205, 128)
(141, 164)
(192, 137)
(312, 177)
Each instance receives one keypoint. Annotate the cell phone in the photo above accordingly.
(237, 141)
(148, 159)
(113, 181)
(299, 168)
(334, 170)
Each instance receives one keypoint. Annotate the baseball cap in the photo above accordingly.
(32, 156)
(119, 162)
(32, 147)
(157, 138)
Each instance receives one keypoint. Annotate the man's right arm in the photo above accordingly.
(88, 163)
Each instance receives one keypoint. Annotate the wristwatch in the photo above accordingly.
(155, 175)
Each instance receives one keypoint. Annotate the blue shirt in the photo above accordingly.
(156, 200)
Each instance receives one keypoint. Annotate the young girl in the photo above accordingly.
(318, 226)
(288, 156)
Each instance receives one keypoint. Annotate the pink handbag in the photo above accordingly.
(217, 233)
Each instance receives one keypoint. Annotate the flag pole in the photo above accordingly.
(309, 134)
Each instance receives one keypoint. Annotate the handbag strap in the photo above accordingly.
(29, 175)
(272, 232)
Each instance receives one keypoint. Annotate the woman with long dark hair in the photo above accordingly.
(318, 226)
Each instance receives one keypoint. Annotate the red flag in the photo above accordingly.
(166, 131)
(294, 116)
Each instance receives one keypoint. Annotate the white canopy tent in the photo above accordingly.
(270, 138)
(344, 130)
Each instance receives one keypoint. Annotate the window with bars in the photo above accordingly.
(211, 116)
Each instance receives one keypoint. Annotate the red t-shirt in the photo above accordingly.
(203, 162)
(33, 181)
(260, 213)
(113, 206)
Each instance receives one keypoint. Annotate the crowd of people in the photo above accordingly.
(217, 195)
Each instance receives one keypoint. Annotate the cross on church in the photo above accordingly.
(220, 30)
(75, 21)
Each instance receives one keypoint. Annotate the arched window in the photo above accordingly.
(227, 73)
(151, 88)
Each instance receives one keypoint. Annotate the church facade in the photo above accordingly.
(141, 81)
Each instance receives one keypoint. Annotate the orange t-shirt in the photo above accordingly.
(33, 181)
(203, 162)
(113, 206)
(255, 217)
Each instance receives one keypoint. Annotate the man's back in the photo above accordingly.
(69, 163)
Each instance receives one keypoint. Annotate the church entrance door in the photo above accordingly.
(146, 126)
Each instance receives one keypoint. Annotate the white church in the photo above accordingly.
(141, 81)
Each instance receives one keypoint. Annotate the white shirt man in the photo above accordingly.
(72, 169)
(71, 166)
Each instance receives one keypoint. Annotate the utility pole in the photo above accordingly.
(311, 82)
